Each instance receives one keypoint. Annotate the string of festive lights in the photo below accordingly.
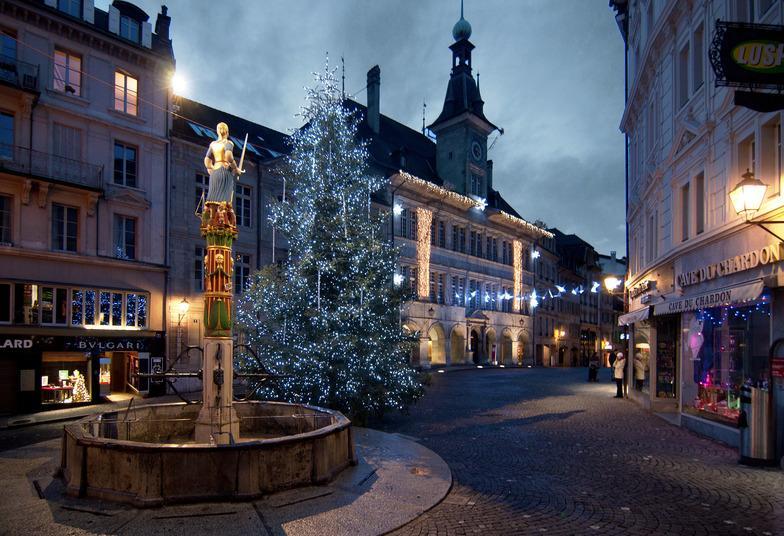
(424, 221)
(517, 262)
(460, 199)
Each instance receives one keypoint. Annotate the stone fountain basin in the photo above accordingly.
(147, 457)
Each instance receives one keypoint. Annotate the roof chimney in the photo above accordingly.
(613, 254)
(162, 23)
(373, 99)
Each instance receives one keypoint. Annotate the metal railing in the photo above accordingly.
(19, 73)
(50, 166)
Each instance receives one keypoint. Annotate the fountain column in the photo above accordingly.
(217, 421)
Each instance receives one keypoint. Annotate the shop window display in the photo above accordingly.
(728, 348)
(65, 378)
(642, 357)
(667, 336)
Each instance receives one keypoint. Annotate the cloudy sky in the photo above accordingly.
(551, 77)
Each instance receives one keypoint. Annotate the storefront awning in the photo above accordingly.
(635, 316)
(716, 298)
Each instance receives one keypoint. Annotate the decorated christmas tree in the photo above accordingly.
(327, 320)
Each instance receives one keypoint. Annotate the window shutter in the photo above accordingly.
(114, 20)
(88, 9)
(51, 3)
(147, 35)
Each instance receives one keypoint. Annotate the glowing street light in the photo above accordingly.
(747, 195)
(178, 83)
(611, 283)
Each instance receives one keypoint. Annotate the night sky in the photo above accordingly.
(551, 75)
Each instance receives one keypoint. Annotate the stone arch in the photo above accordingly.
(410, 328)
(436, 347)
(457, 345)
(476, 340)
(491, 347)
(505, 350)
(523, 353)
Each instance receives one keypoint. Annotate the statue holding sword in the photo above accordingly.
(221, 167)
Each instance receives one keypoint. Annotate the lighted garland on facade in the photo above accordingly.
(520, 222)
(440, 191)
(517, 263)
(327, 320)
(424, 220)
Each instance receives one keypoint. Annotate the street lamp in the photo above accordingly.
(182, 310)
(747, 197)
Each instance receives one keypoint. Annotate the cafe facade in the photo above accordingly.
(705, 195)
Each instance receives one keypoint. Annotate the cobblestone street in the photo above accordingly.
(541, 451)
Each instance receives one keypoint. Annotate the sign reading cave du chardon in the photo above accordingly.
(739, 263)
(748, 55)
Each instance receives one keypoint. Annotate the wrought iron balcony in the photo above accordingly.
(50, 167)
(19, 73)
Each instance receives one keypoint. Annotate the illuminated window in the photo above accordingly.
(126, 90)
(67, 72)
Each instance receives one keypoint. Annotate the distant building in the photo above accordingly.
(704, 287)
(84, 123)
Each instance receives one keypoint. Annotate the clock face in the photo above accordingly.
(476, 150)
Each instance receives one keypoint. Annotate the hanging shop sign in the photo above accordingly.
(748, 55)
(638, 290)
(759, 257)
(728, 296)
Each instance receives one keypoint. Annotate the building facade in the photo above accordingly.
(704, 287)
(465, 253)
(84, 104)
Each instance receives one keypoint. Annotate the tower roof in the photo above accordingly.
(462, 92)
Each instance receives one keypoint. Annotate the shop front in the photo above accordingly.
(50, 371)
(725, 322)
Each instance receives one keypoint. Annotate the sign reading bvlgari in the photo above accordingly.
(759, 257)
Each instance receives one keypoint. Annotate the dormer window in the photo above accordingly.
(130, 29)
(71, 7)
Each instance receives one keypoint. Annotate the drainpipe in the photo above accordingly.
(259, 198)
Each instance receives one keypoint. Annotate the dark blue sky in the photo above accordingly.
(551, 77)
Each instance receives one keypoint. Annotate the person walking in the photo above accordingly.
(639, 371)
(619, 368)
(593, 367)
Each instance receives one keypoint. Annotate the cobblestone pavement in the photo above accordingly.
(541, 451)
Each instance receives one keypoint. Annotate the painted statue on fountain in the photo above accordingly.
(217, 421)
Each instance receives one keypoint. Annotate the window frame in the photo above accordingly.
(64, 228)
(124, 174)
(126, 93)
(130, 23)
(7, 228)
(243, 205)
(61, 85)
(123, 220)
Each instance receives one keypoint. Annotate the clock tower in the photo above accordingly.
(462, 128)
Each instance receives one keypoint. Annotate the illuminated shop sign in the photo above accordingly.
(15, 344)
(638, 290)
(739, 263)
(748, 54)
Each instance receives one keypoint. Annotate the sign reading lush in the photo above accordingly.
(748, 55)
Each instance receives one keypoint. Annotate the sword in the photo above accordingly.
(242, 156)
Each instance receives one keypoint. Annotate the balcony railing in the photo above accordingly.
(19, 73)
(37, 164)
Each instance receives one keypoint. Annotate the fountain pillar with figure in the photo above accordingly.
(217, 421)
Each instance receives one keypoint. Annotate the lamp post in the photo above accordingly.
(182, 311)
(747, 197)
